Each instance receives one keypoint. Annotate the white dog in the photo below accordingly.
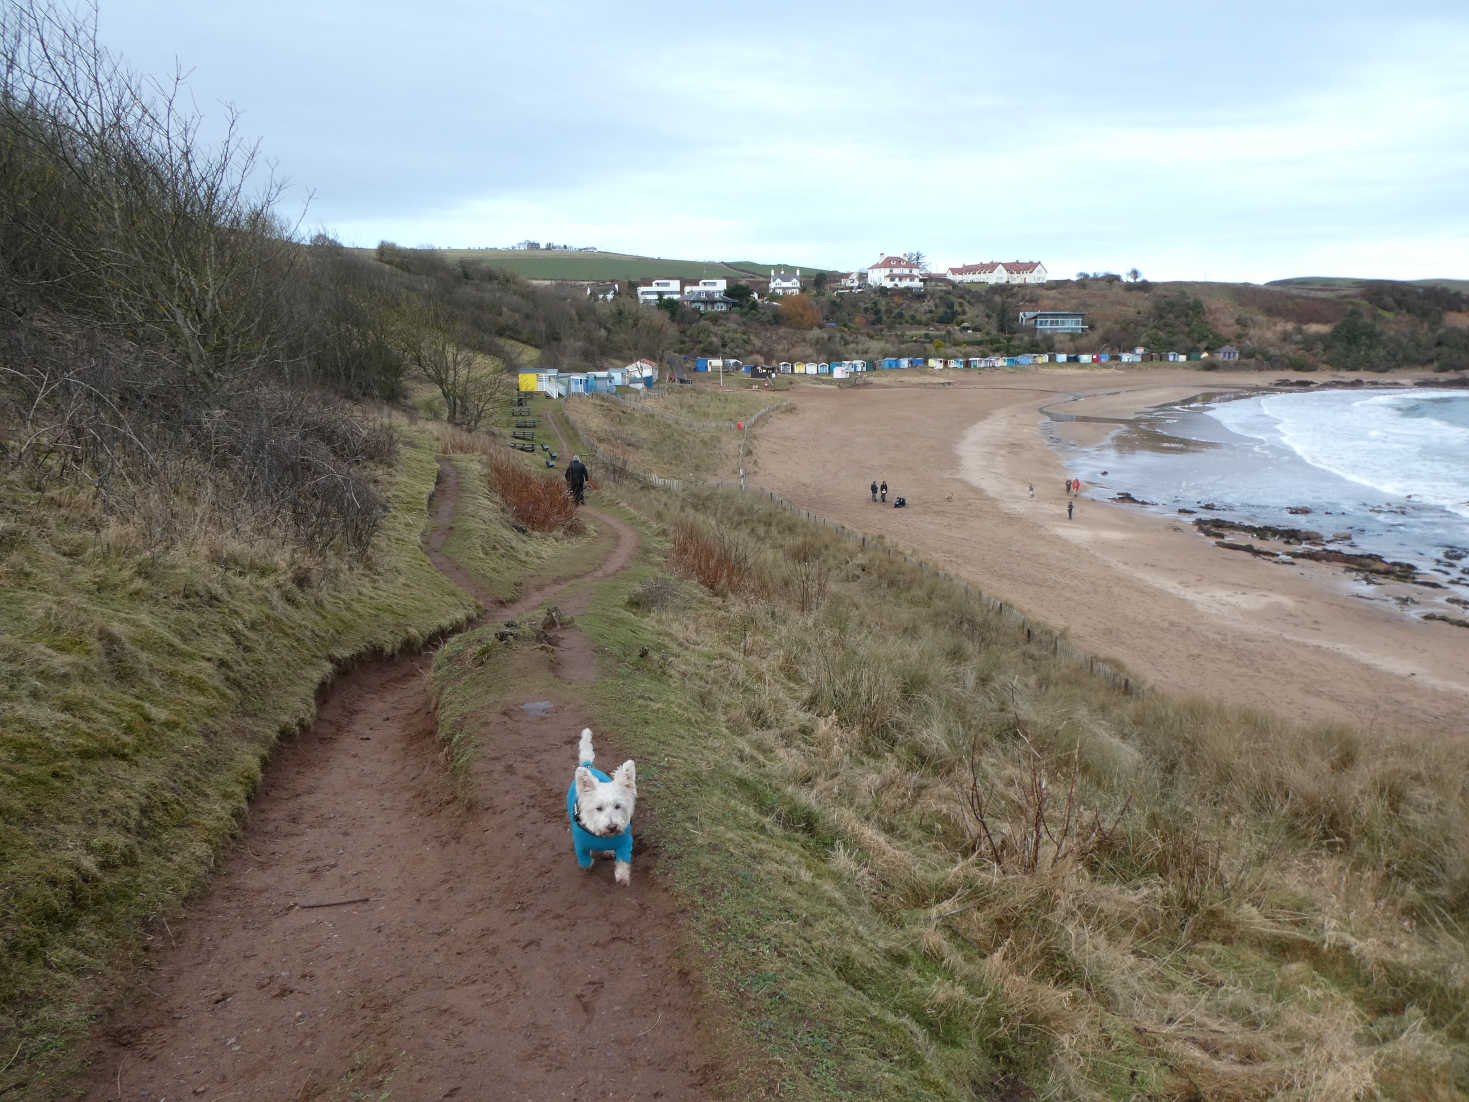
(600, 808)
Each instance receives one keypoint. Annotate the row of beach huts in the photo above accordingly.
(642, 374)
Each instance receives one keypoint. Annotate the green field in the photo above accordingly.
(556, 264)
(1351, 285)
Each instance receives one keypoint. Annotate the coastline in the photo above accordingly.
(1135, 588)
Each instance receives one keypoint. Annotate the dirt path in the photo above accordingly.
(372, 936)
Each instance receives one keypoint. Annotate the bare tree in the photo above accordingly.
(116, 205)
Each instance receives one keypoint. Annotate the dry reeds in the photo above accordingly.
(540, 502)
(714, 557)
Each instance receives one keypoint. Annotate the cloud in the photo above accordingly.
(1245, 137)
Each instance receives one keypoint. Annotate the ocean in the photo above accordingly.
(1378, 471)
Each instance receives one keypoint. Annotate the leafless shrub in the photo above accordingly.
(537, 501)
(1027, 829)
(659, 591)
(808, 575)
(152, 344)
(713, 557)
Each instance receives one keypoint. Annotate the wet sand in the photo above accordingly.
(1144, 591)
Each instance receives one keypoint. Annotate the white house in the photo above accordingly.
(785, 284)
(1023, 271)
(989, 272)
(705, 288)
(853, 281)
(707, 295)
(1000, 271)
(894, 271)
(660, 289)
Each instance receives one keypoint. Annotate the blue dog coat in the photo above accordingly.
(584, 840)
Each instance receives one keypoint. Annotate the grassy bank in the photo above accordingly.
(682, 433)
(560, 264)
(925, 859)
(141, 692)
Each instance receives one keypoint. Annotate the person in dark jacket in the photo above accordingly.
(883, 490)
(576, 479)
(874, 491)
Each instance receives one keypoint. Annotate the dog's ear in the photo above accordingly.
(585, 782)
(627, 776)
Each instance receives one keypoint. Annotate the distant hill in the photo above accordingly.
(557, 264)
(1347, 285)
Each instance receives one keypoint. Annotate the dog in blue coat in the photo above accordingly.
(600, 808)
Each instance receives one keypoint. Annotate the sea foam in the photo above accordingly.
(1407, 444)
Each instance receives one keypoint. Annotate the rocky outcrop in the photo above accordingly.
(1374, 566)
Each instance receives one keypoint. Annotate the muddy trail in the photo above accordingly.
(374, 934)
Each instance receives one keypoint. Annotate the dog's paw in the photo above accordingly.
(623, 873)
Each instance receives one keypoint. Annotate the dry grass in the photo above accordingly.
(1003, 868)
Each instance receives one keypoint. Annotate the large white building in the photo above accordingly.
(660, 289)
(895, 271)
(1000, 271)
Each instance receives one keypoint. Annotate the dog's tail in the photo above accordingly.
(585, 753)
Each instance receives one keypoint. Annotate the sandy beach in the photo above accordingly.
(1143, 591)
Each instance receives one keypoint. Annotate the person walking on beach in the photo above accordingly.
(883, 490)
(1031, 487)
(1069, 506)
(1076, 486)
(1068, 487)
(874, 490)
(576, 479)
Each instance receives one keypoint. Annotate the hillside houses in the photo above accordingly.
(708, 295)
(895, 273)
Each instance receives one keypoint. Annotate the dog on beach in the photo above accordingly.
(600, 808)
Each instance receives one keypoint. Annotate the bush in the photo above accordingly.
(540, 502)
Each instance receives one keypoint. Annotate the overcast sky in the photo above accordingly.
(1238, 140)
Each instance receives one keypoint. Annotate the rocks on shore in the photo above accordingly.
(1374, 566)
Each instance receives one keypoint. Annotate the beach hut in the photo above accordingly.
(823, 369)
(1023, 359)
(1105, 357)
